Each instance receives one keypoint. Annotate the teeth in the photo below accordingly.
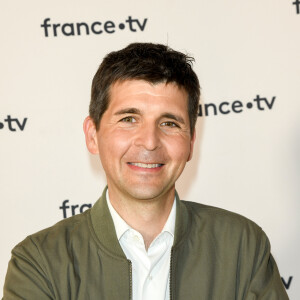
(148, 166)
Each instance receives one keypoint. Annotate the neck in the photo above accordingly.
(148, 217)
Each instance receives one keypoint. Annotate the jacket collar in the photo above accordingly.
(105, 232)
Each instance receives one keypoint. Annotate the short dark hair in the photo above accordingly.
(154, 63)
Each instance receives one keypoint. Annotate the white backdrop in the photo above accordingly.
(247, 155)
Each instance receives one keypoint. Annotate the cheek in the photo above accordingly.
(114, 144)
(178, 149)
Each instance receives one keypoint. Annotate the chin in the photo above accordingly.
(146, 192)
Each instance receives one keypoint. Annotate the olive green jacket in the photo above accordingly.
(217, 255)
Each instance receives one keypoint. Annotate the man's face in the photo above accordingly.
(144, 139)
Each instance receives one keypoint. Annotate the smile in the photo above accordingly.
(147, 166)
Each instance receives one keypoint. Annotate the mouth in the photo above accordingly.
(146, 166)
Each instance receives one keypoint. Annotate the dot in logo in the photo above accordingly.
(121, 26)
(1, 125)
(249, 105)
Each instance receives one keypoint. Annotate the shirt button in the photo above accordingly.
(150, 277)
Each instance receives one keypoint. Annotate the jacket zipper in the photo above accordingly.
(130, 279)
(171, 273)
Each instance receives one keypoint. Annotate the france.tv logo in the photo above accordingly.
(97, 27)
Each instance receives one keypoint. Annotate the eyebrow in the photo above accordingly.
(133, 110)
(173, 117)
(130, 110)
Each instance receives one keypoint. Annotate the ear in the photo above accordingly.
(192, 145)
(90, 132)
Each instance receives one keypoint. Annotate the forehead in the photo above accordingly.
(140, 92)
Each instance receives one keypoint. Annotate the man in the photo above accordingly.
(139, 241)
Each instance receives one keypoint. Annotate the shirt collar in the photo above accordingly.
(121, 226)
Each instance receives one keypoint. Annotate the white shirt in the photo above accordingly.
(150, 269)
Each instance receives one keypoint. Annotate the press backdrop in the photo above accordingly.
(248, 133)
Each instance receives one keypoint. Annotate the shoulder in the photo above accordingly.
(225, 233)
(57, 237)
(202, 210)
(220, 221)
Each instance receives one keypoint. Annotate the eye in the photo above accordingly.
(128, 120)
(169, 124)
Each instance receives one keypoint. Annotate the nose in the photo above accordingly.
(148, 136)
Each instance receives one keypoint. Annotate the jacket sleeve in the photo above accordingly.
(265, 283)
(26, 276)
